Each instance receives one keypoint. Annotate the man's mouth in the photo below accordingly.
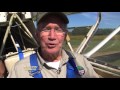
(51, 45)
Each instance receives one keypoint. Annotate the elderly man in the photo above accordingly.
(51, 60)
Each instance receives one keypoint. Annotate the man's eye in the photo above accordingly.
(58, 29)
(47, 29)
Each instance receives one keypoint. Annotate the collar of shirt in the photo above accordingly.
(64, 59)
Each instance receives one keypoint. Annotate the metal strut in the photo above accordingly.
(15, 16)
(89, 35)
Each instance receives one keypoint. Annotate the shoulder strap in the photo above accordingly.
(20, 53)
(35, 72)
(72, 70)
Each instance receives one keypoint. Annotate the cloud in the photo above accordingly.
(110, 19)
(90, 15)
(111, 16)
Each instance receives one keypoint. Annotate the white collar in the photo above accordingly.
(54, 64)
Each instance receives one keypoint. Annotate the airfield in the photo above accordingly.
(109, 53)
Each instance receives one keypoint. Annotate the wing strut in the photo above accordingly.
(103, 42)
(89, 35)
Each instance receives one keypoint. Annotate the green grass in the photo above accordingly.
(112, 46)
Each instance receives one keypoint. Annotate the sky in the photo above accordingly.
(109, 19)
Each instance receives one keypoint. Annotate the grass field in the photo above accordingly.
(108, 53)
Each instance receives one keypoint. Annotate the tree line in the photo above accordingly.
(85, 30)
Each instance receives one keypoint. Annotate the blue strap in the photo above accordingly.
(21, 56)
(35, 72)
(20, 53)
(72, 70)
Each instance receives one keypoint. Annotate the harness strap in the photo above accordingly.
(72, 70)
(35, 72)
(20, 53)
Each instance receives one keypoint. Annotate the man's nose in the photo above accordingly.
(52, 34)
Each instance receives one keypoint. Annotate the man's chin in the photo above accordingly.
(52, 51)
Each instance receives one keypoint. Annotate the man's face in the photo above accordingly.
(51, 35)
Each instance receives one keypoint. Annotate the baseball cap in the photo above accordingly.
(58, 14)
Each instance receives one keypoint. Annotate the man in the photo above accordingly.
(51, 60)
